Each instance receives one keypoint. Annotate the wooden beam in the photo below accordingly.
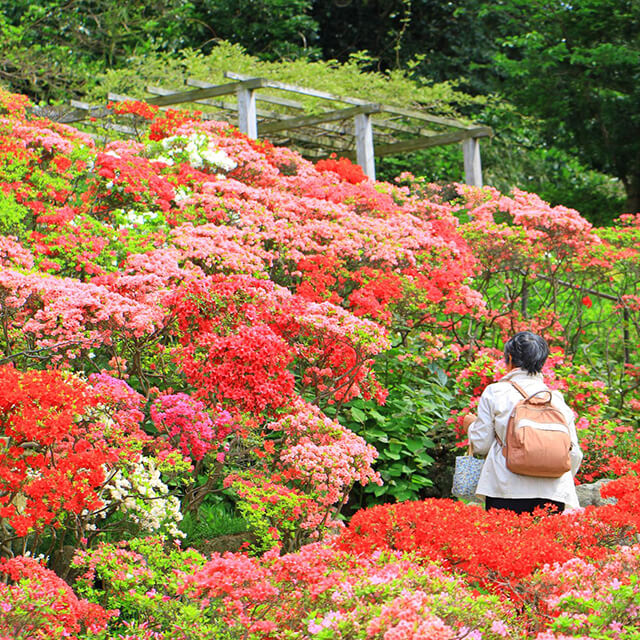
(472, 162)
(197, 94)
(79, 104)
(121, 128)
(220, 104)
(81, 111)
(293, 104)
(419, 115)
(309, 143)
(247, 116)
(319, 131)
(426, 142)
(327, 116)
(119, 97)
(388, 123)
(233, 107)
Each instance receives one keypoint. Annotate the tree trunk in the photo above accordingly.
(632, 187)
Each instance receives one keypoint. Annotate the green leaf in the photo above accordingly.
(404, 494)
(396, 470)
(358, 415)
(421, 481)
(442, 376)
(376, 415)
(424, 458)
(414, 445)
(378, 490)
(377, 435)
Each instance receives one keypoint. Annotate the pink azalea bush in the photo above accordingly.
(39, 605)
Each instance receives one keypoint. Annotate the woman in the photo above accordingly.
(525, 354)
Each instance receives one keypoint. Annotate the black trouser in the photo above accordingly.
(522, 505)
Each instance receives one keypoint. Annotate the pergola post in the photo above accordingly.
(472, 163)
(247, 116)
(364, 144)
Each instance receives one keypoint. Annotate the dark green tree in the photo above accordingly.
(105, 30)
(41, 70)
(442, 39)
(269, 29)
(53, 49)
(576, 66)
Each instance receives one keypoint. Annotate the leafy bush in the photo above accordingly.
(410, 430)
(348, 79)
(140, 580)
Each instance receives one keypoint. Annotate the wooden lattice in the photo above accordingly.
(350, 127)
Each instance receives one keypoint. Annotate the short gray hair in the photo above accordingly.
(527, 350)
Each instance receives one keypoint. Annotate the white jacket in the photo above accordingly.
(494, 409)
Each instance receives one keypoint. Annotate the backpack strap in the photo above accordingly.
(524, 395)
(519, 388)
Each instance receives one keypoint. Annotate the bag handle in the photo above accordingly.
(523, 393)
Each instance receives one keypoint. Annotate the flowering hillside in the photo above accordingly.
(194, 322)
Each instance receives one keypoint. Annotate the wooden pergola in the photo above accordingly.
(349, 127)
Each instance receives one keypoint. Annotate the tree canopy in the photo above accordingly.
(577, 67)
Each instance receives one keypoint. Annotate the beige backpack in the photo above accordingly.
(538, 440)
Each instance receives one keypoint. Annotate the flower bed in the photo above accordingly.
(196, 325)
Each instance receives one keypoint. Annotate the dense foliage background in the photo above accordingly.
(557, 82)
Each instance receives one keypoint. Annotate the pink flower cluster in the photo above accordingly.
(41, 606)
(189, 425)
(321, 453)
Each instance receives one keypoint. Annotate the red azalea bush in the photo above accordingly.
(60, 436)
(496, 546)
(134, 107)
(343, 167)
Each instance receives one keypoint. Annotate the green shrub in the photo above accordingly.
(410, 431)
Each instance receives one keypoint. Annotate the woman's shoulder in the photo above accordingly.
(497, 388)
(505, 388)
